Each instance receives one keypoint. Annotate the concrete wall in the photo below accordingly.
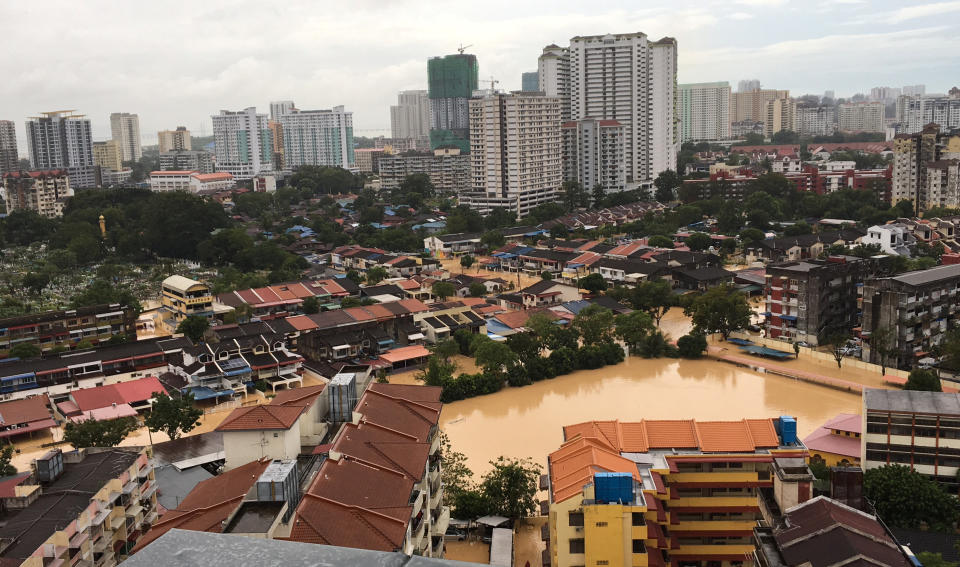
(242, 447)
(807, 352)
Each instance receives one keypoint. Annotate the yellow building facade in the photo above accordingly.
(108, 155)
(698, 489)
(182, 297)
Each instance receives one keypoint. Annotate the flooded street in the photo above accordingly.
(526, 422)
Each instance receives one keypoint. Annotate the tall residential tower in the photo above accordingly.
(63, 140)
(515, 151)
(451, 80)
(704, 111)
(9, 160)
(243, 142)
(125, 130)
(410, 118)
(174, 140)
(630, 79)
(317, 137)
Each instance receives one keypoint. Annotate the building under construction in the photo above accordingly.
(452, 80)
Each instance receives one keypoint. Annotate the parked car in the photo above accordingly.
(454, 534)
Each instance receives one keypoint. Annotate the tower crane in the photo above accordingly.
(463, 48)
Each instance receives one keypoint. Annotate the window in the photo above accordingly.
(576, 519)
(576, 545)
(638, 546)
(601, 524)
(637, 519)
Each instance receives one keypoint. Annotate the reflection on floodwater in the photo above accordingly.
(526, 422)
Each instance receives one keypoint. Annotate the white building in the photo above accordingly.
(515, 151)
(410, 118)
(627, 78)
(861, 117)
(63, 140)
(170, 180)
(317, 137)
(704, 111)
(553, 76)
(187, 160)
(593, 154)
(174, 140)
(192, 181)
(892, 238)
(816, 120)
(915, 112)
(943, 184)
(125, 129)
(211, 182)
(747, 85)
(243, 143)
(884, 94)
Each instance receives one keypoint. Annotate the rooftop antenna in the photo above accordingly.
(463, 48)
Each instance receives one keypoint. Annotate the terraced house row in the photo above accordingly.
(376, 486)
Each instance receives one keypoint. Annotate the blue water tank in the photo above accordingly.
(613, 487)
(788, 430)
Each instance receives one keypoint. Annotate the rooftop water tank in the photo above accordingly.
(613, 488)
(788, 430)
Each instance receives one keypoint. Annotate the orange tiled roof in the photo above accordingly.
(262, 417)
(708, 436)
(574, 464)
(209, 504)
(301, 323)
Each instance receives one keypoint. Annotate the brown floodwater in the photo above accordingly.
(527, 422)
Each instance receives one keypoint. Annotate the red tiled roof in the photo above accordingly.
(413, 410)
(301, 323)
(262, 417)
(26, 410)
(209, 504)
(383, 447)
(517, 319)
(131, 392)
(304, 396)
(825, 532)
(9, 485)
(328, 522)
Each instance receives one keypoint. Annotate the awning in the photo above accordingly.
(415, 337)
(492, 521)
(204, 393)
(32, 426)
(405, 353)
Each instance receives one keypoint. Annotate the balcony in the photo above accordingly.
(418, 530)
(416, 500)
(435, 445)
(442, 522)
(116, 522)
(435, 497)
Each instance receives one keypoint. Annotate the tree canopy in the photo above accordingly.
(511, 487)
(906, 499)
(721, 309)
(98, 433)
(173, 416)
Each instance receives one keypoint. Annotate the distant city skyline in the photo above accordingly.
(182, 63)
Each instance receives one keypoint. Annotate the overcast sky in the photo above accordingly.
(177, 62)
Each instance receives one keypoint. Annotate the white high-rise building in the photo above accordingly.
(747, 85)
(593, 154)
(914, 90)
(553, 76)
(63, 140)
(704, 111)
(410, 118)
(125, 129)
(515, 151)
(861, 117)
(627, 78)
(915, 112)
(317, 137)
(9, 160)
(280, 107)
(243, 143)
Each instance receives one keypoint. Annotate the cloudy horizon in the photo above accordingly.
(176, 63)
